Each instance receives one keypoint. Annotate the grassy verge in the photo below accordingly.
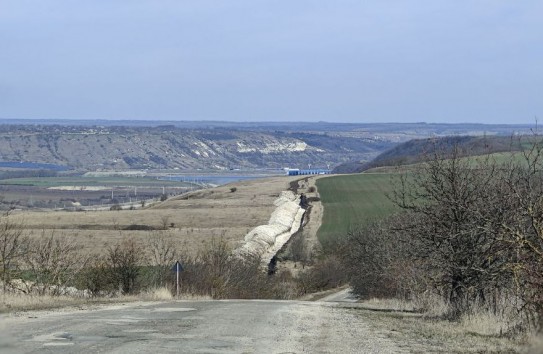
(352, 200)
(13, 303)
(420, 334)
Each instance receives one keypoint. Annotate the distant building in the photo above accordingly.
(305, 172)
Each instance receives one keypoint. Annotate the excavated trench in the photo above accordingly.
(265, 241)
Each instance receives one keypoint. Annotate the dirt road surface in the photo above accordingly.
(230, 326)
(344, 295)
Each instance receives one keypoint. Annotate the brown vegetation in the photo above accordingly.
(12, 248)
(193, 219)
(53, 262)
(125, 257)
(471, 233)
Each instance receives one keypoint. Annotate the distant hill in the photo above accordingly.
(167, 147)
(402, 131)
(418, 150)
(215, 145)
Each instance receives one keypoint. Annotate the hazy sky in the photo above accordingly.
(275, 60)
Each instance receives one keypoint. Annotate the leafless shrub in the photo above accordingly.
(376, 263)
(453, 206)
(124, 260)
(522, 226)
(217, 273)
(53, 262)
(164, 222)
(98, 278)
(162, 255)
(213, 263)
(471, 232)
(13, 245)
(327, 272)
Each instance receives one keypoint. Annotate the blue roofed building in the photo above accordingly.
(306, 172)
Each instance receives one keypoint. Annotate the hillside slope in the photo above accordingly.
(418, 150)
(94, 148)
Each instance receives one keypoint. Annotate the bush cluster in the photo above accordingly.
(471, 231)
(54, 263)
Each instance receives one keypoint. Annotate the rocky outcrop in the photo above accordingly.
(265, 241)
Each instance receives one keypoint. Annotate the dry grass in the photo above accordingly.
(418, 333)
(480, 332)
(23, 302)
(389, 304)
(433, 305)
(486, 323)
(205, 214)
(187, 296)
(15, 303)
(535, 345)
(164, 294)
(156, 294)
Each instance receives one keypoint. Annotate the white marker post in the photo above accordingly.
(177, 282)
(177, 268)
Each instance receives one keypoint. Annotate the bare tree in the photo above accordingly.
(522, 226)
(375, 261)
(97, 277)
(13, 245)
(53, 261)
(164, 222)
(215, 261)
(161, 249)
(162, 255)
(454, 205)
(125, 260)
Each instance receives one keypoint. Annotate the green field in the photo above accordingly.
(499, 158)
(353, 200)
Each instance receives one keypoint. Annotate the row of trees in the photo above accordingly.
(470, 230)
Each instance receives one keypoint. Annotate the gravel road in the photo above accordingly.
(230, 326)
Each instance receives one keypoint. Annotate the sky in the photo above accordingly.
(359, 61)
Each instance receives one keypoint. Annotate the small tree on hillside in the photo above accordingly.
(54, 262)
(125, 260)
(522, 226)
(451, 201)
(164, 222)
(13, 245)
(162, 254)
